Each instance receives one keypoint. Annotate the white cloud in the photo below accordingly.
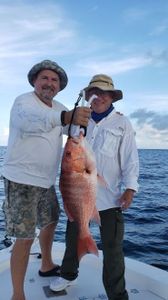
(4, 132)
(148, 137)
(111, 66)
(156, 102)
(157, 120)
(27, 30)
(151, 128)
(31, 32)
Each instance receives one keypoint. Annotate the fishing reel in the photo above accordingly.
(83, 128)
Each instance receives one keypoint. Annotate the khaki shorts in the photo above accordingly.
(26, 207)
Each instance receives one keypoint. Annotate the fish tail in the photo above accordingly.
(86, 245)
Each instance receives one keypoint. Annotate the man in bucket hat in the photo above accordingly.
(48, 65)
(37, 123)
(111, 137)
(102, 82)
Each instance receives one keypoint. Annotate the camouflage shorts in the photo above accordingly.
(26, 207)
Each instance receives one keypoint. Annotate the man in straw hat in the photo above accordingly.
(112, 138)
(37, 123)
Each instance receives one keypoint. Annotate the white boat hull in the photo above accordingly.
(144, 282)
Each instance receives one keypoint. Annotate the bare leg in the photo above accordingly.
(46, 239)
(19, 262)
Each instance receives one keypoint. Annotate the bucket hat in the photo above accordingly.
(48, 65)
(104, 83)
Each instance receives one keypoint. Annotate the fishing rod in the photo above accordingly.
(75, 107)
(81, 95)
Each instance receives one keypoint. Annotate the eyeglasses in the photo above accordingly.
(97, 92)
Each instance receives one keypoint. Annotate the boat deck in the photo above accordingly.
(89, 285)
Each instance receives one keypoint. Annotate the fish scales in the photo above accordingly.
(78, 182)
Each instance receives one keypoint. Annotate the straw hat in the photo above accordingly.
(48, 65)
(104, 83)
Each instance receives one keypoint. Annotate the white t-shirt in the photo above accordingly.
(35, 141)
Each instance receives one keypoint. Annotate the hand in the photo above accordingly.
(126, 198)
(81, 116)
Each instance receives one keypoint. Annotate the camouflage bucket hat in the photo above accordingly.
(104, 83)
(48, 65)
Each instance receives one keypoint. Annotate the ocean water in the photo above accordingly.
(146, 221)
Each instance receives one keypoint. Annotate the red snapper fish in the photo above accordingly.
(78, 181)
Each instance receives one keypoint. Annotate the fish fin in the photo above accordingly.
(85, 246)
(96, 216)
(68, 214)
(101, 181)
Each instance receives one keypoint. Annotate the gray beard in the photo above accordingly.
(47, 95)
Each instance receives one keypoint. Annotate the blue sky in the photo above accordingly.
(125, 39)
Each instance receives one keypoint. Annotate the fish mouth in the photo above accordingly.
(78, 158)
(75, 140)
